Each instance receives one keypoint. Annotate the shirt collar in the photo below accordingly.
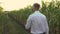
(37, 12)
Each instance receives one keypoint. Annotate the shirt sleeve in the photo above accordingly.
(28, 23)
(46, 26)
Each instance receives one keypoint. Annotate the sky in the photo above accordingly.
(9, 5)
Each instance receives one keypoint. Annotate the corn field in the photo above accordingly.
(51, 10)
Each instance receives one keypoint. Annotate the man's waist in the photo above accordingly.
(37, 32)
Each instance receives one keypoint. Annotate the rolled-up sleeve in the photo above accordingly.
(28, 23)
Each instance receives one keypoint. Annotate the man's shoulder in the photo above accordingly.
(30, 15)
(44, 16)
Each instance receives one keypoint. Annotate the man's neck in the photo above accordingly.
(36, 10)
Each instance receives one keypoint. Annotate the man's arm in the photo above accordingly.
(28, 23)
(46, 26)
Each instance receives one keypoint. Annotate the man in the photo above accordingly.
(37, 21)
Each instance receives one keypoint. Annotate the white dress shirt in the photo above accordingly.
(38, 23)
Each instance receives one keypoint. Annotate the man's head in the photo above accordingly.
(36, 6)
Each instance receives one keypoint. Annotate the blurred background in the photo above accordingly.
(18, 4)
(14, 13)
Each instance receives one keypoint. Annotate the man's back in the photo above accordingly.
(38, 23)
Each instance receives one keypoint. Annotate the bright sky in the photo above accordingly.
(17, 4)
